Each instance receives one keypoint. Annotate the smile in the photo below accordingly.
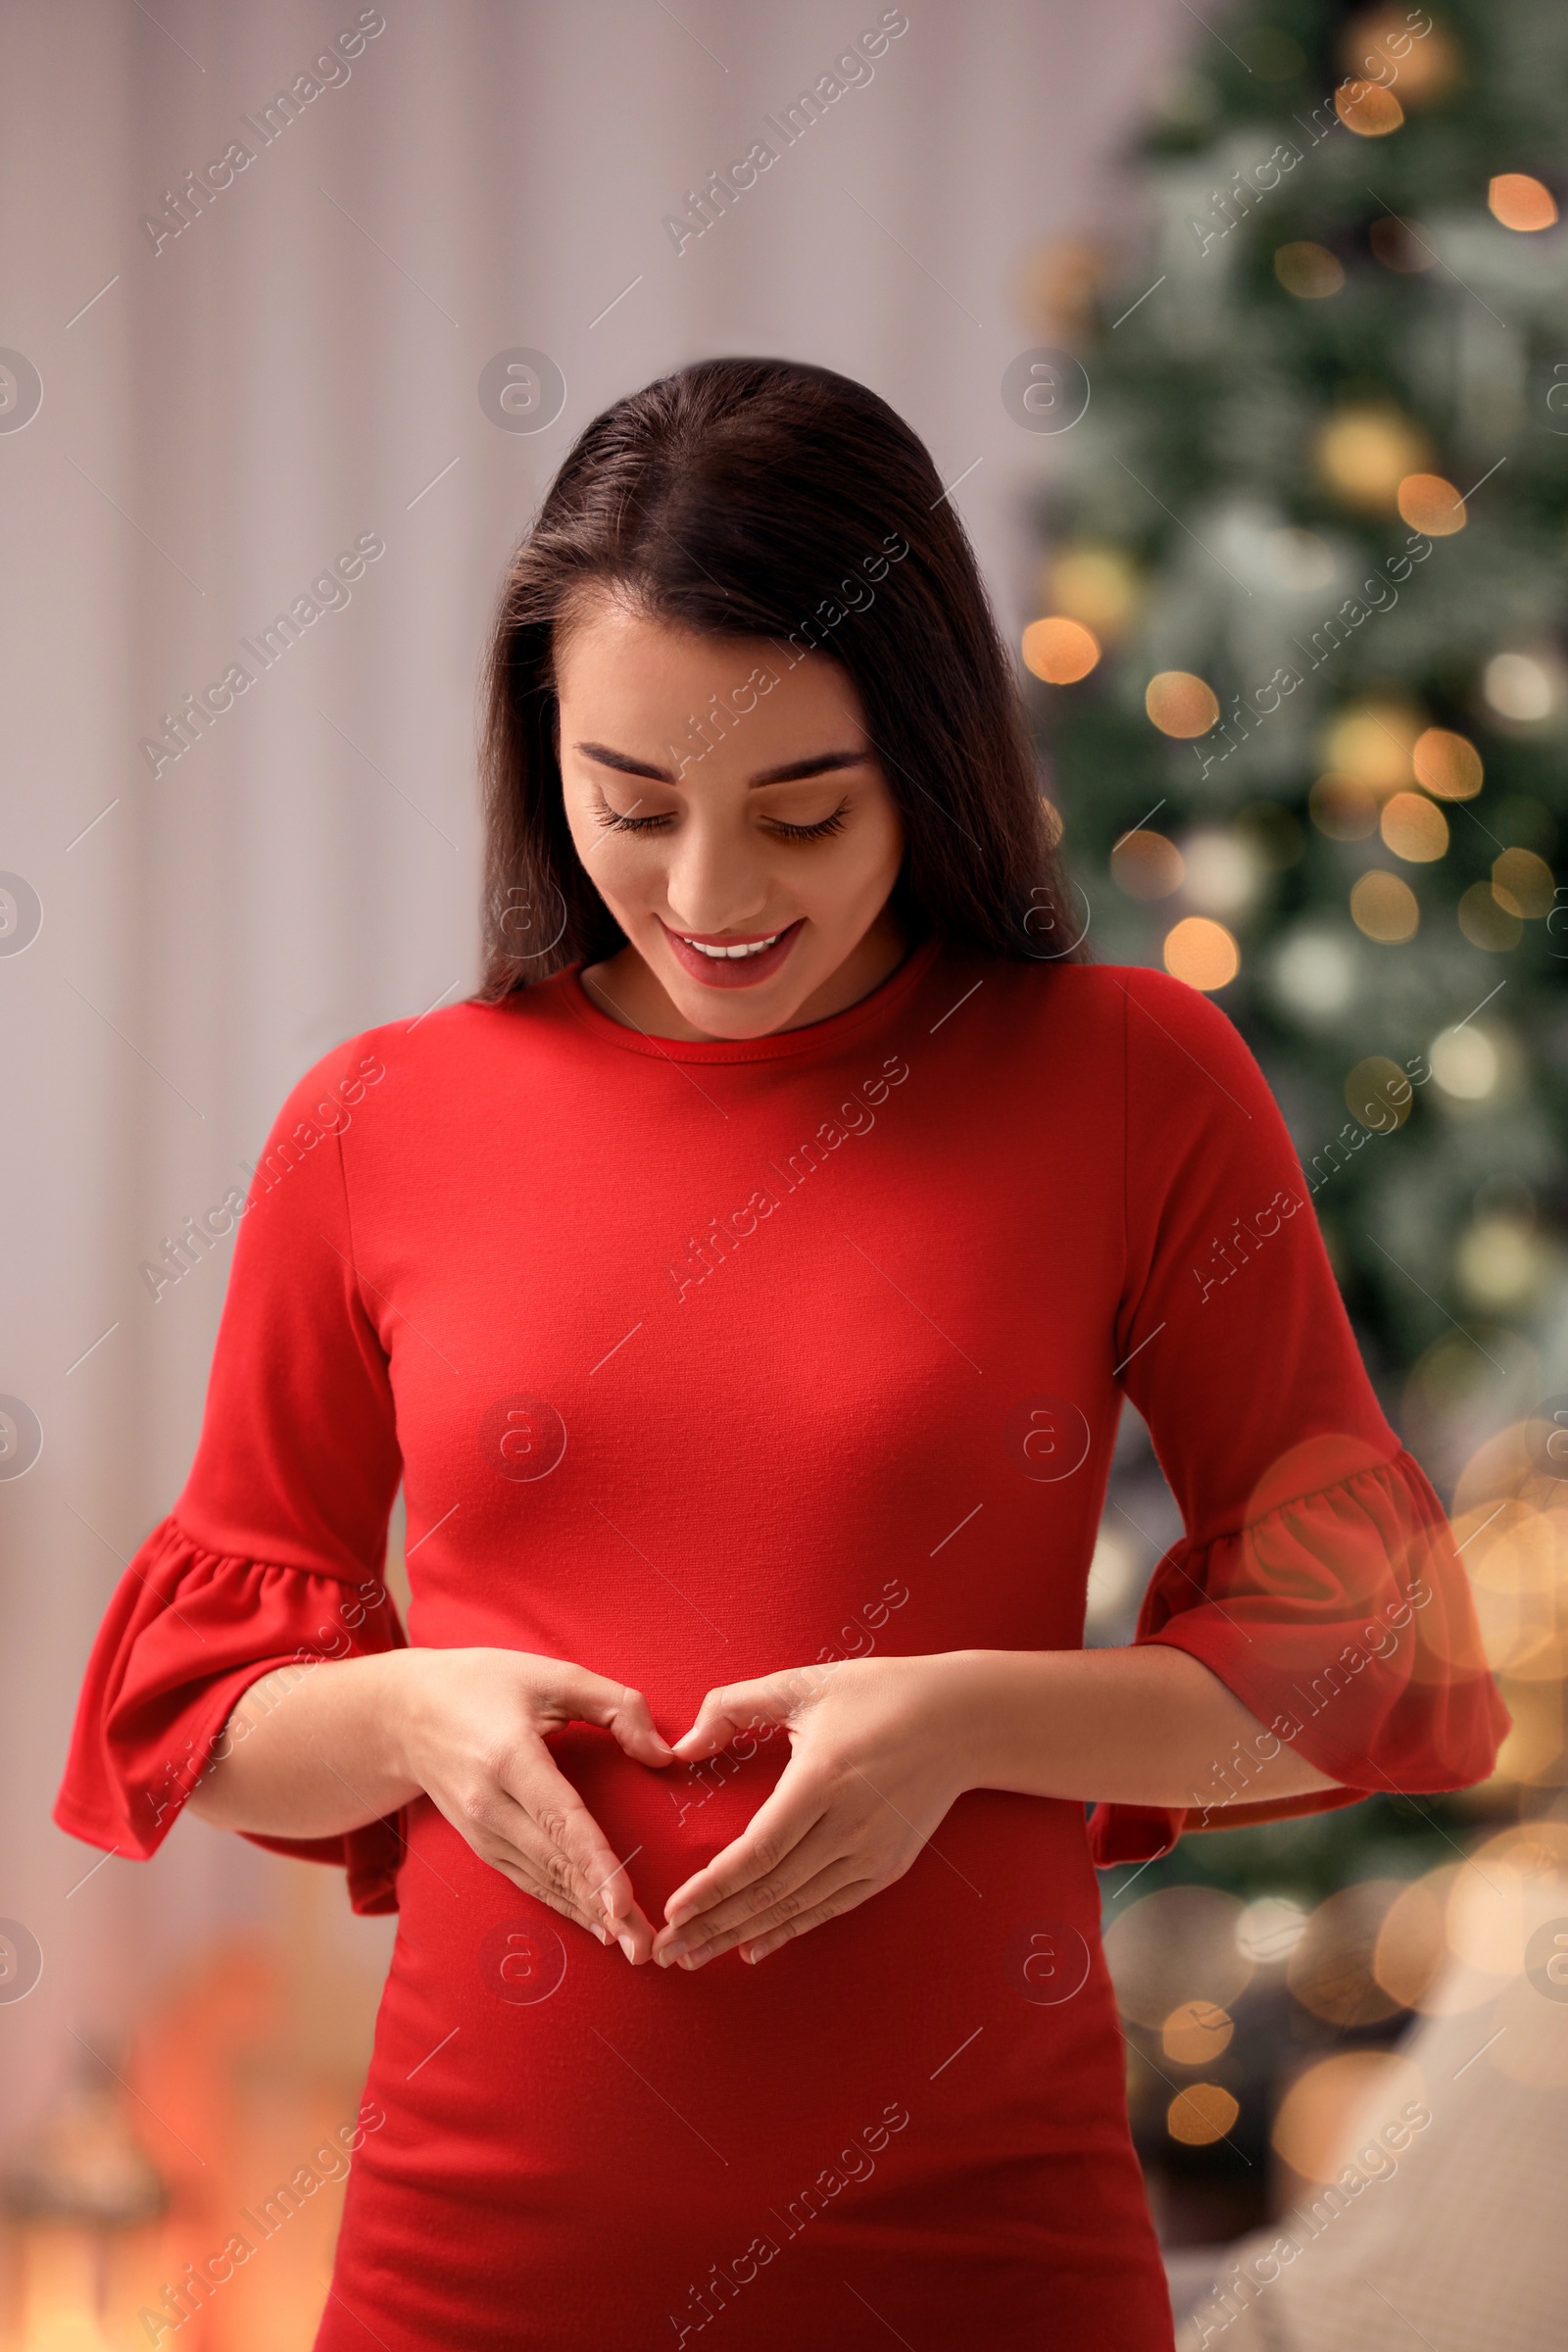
(720, 963)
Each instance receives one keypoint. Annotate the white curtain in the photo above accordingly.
(284, 363)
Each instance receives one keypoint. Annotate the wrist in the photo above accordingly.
(959, 1701)
(393, 1695)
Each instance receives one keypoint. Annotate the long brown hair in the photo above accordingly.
(769, 498)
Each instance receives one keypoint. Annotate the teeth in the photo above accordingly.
(721, 954)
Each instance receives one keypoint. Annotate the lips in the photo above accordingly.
(733, 971)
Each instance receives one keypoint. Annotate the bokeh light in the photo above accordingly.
(1374, 740)
(1520, 202)
(1343, 807)
(1385, 908)
(1203, 953)
(1364, 453)
(1523, 884)
(1180, 703)
(1146, 865)
(1413, 827)
(1094, 585)
(1195, 2032)
(1446, 764)
(1324, 2101)
(1308, 270)
(1464, 1062)
(1379, 1093)
(1059, 650)
(1176, 1945)
(1486, 923)
(1202, 2113)
(1368, 108)
(1432, 505)
(1520, 688)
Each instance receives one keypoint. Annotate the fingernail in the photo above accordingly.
(627, 1946)
(602, 1931)
(700, 1959)
(673, 1951)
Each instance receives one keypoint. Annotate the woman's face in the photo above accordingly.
(719, 795)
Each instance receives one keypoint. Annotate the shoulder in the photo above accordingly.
(414, 1061)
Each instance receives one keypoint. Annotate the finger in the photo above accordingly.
(692, 1946)
(576, 1695)
(845, 1899)
(766, 1848)
(535, 1810)
(736, 1708)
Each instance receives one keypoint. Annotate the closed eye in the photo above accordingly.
(653, 824)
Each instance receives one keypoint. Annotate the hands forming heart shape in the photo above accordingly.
(878, 1754)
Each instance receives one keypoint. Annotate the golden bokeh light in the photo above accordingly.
(1343, 807)
(1519, 1881)
(1447, 766)
(1202, 2113)
(1520, 202)
(1413, 827)
(1486, 923)
(1328, 2097)
(1097, 585)
(1146, 865)
(1523, 884)
(1374, 740)
(1180, 703)
(1427, 60)
(1385, 908)
(1413, 1943)
(1364, 453)
(1368, 108)
(1308, 270)
(1195, 2032)
(1059, 650)
(1431, 505)
(1203, 953)
(1331, 1970)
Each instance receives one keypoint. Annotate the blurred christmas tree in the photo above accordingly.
(1303, 706)
(1303, 697)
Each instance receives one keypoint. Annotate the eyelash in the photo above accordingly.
(642, 824)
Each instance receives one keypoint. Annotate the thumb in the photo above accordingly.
(736, 1708)
(624, 1712)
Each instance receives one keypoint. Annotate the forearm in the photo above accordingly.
(311, 1750)
(1147, 1725)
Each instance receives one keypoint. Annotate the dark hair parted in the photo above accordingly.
(764, 498)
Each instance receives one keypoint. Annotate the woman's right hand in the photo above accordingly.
(471, 1733)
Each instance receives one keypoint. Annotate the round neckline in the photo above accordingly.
(777, 1045)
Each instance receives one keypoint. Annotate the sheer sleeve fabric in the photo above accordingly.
(1318, 1576)
(273, 1552)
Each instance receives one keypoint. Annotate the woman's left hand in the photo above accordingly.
(877, 1756)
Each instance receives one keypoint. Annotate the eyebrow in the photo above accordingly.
(796, 771)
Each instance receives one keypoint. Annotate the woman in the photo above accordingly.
(743, 1285)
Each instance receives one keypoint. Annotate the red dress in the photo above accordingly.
(697, 1361)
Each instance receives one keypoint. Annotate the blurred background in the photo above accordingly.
(1239, 338)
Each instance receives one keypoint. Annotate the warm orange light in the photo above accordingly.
(1365, 452)
(1146, 865)
(1430, 504)
(1367, 109)
(1200, 2114)
(1308, 270)
(1201, 952)
(1180, 703)
(1414, 827)
(1523, 884)
(1195, 2032)
(1372, 741)
(1385, 908)
(1447, 766)
(1059, 650)
(1520, 202)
